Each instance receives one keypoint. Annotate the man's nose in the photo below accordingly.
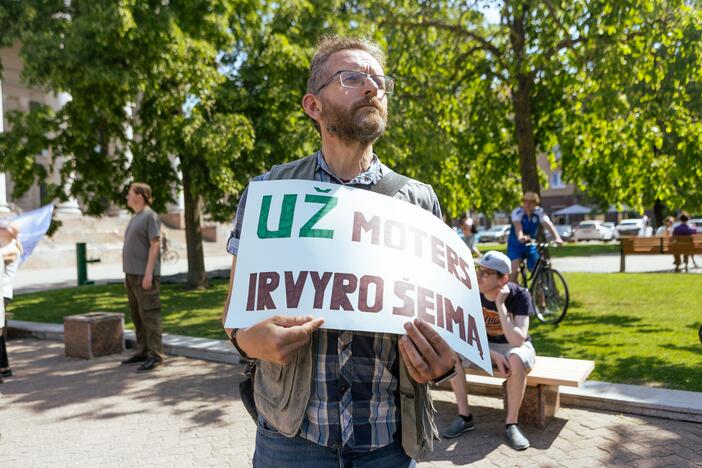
(370, 87)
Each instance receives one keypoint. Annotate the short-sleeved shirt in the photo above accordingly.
(518, 302)
(143, 227)
(530, 223)
(684, 230)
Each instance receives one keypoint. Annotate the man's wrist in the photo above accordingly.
(235, 342)
(446, 377)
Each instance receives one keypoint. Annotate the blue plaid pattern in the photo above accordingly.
(354, 402)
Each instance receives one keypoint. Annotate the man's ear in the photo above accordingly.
(312, 106)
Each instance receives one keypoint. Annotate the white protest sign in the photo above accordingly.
(361, 260)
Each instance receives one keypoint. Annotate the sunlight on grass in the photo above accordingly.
(639, 328)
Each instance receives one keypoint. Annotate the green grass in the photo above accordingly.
(565, 250)
(639, 328)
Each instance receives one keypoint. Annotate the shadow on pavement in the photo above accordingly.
(96, 389)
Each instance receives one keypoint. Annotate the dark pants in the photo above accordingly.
(4, 361)
(145, 309)
(274, 450)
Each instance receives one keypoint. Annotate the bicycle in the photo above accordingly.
(548, 288)
(168, 255)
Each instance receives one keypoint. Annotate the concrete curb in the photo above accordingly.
(176, 345)
(633, 399)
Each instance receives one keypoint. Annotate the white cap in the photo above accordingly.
(497, 261)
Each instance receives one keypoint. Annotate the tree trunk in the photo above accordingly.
(658, 213)
(197, 276)
(523, 125)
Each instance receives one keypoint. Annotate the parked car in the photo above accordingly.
(612, 227)
(497, 233)
(592, 230)
(564, 230)
(634, 227)
(696, 223)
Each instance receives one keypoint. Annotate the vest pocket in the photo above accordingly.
(276, 382)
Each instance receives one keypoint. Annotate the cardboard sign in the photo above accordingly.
(361, 260)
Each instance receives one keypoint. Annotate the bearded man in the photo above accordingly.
(339, 397)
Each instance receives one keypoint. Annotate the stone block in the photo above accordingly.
(93, 334)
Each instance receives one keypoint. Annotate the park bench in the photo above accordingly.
(684, 245)
(542, 396)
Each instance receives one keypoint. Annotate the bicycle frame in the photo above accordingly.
(528, 277)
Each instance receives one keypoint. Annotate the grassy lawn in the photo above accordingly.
(639, 328)
(582, 249)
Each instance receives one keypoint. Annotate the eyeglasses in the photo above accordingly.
(357, 79)
(486, 272)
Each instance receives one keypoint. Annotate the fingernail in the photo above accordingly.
(408, 326)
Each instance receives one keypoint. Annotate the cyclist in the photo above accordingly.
(525, 225)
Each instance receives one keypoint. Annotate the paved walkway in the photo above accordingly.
(70, 412)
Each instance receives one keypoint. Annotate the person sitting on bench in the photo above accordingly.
(506, 309)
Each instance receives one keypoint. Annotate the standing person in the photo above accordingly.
(469, 230)
(339, 397)
(506, 309)
(141, 263)
(683, 229)
(11, 251)
(526, 221)
(666, 229)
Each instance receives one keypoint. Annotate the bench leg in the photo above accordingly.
(539, 405)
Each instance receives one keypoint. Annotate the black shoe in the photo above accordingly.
(150, 364)
(457, 427)
(6, 373)
(134, 359)
(515, 438)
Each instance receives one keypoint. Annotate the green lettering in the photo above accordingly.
(329, 203)
(286, 217)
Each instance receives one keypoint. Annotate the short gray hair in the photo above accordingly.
(328, 45)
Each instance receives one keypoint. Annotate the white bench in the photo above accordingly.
(542, 396)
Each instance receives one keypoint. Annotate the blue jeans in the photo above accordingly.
(274, 450)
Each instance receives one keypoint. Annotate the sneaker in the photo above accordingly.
(515, 438)
(457, 427)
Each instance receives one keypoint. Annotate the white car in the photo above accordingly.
(592, 230)
(497, 233)
(634, 227)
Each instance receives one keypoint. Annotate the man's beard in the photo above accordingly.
(361, 124)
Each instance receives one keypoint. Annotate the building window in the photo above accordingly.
(555, 180)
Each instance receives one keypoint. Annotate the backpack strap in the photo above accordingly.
(390, 184)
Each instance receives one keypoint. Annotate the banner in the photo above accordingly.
(33, 225)
(361, 260)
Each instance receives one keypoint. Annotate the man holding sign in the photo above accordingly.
(324, 396)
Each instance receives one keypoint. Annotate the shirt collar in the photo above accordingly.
(370, 176)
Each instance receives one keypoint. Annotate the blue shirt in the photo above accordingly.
(530, 223)
(354, 401)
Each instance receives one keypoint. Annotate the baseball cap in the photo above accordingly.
(497, 261)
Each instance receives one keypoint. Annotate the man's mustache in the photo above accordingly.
(373, 102)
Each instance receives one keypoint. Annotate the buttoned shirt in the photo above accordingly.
(354, 402)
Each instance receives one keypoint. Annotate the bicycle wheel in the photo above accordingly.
(549, 292)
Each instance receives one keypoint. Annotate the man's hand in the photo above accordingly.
(9, 257)
(558, 241)
(278, 338)
(502, 295)
(524, 239)
(147, 281)
(427, 355)
(501, 362)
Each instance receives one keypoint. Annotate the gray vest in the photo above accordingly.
(283, 392)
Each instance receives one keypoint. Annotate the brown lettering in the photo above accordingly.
(365, 282)
(454, 315)
(359, 222)
(293, 288)
(437, 252)
(424, 303)
(401, 290)
(390, 226)
(344, 284)
(268, 282)
(320, 285)
(251, 299)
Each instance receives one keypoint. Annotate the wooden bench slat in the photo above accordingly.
(554, 371)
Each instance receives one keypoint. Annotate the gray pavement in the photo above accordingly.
(60, 411)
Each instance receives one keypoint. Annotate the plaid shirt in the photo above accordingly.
(354, 402)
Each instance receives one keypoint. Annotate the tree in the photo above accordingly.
(533, 73)
(153, 69)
